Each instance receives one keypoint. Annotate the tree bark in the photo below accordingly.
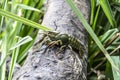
(43, 63)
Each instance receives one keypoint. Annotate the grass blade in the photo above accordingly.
(108, 12)
(92, 11)
(109, 34)
(23, 20)
(29, 8)
(116, 59)
(13, 61)
(96, 17)
(21, 42)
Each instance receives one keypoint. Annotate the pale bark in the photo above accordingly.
(46, 65)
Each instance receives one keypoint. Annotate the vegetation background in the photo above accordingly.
(20, 21)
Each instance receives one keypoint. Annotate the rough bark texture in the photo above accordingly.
(43, 63)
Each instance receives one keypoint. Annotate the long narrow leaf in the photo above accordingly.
(92, 11)
(13, 61)
(116, 60)
(28, 7)
(96, 17)
(108, 12)
(21, 42)
(23, 20)
(109, 34)
(4, 53)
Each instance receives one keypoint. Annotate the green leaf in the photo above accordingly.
(108, 71)
(108, 12)
(116, 5)
(116, 60)
(23, 20)
(21, 42)
(13, 62)
(92, 11)
(96, 17)
(29, 8)
(109, 34)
